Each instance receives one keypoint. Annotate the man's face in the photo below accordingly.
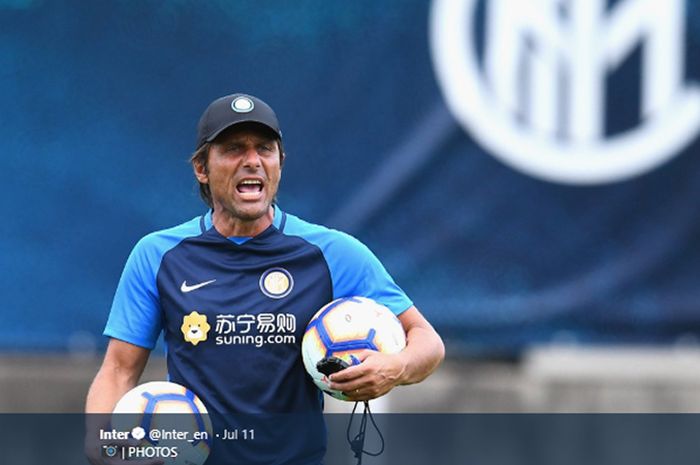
(243, 172)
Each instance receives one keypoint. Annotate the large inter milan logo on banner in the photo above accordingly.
(530, 85)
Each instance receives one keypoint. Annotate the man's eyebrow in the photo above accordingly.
(234, 141)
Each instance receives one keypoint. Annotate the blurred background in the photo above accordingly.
(527, 171)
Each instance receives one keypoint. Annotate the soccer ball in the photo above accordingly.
(340, 330)
(171, 410)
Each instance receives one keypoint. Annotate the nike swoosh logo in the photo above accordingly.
(194, 287)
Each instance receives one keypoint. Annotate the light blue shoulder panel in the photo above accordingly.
(135, 316)
(354, 269)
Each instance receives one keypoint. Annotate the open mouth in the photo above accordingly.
(250, 186)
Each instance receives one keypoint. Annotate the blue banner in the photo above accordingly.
(526, 174)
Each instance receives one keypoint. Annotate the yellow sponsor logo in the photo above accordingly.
(195, 328)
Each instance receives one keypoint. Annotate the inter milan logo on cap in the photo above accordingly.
(242, 105)
(276, 283)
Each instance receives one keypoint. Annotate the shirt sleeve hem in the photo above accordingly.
(137, 341)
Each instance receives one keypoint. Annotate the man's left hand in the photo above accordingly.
(376, 375)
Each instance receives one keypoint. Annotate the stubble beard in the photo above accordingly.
(249, 215)
(238, 211)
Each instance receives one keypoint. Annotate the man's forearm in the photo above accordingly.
(120, 372)
(423, 353)
(107, 388)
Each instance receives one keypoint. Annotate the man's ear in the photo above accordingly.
(201, 172)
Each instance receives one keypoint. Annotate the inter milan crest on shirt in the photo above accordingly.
(276, 283)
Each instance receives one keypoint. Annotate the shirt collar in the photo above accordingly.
(277, 218)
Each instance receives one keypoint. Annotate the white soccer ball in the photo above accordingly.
(345, 327)
(165, 421)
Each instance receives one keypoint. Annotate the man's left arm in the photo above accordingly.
(380, 373)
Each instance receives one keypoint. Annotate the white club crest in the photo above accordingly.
(242, 105)
(276, 283)
(536, 100)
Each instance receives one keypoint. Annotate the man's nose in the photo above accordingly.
(251, 157)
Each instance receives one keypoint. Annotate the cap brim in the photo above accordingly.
(215, 134)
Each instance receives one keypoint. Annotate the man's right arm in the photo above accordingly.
(120, 371)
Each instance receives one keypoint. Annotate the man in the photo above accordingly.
(258, 275)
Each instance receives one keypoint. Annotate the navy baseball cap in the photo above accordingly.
(232, 109)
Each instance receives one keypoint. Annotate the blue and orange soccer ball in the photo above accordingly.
(165, 407)
(341, 329)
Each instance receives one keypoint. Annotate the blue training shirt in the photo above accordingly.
(234, 315)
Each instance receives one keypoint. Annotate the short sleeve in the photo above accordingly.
(135, 316)
(356, 271)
